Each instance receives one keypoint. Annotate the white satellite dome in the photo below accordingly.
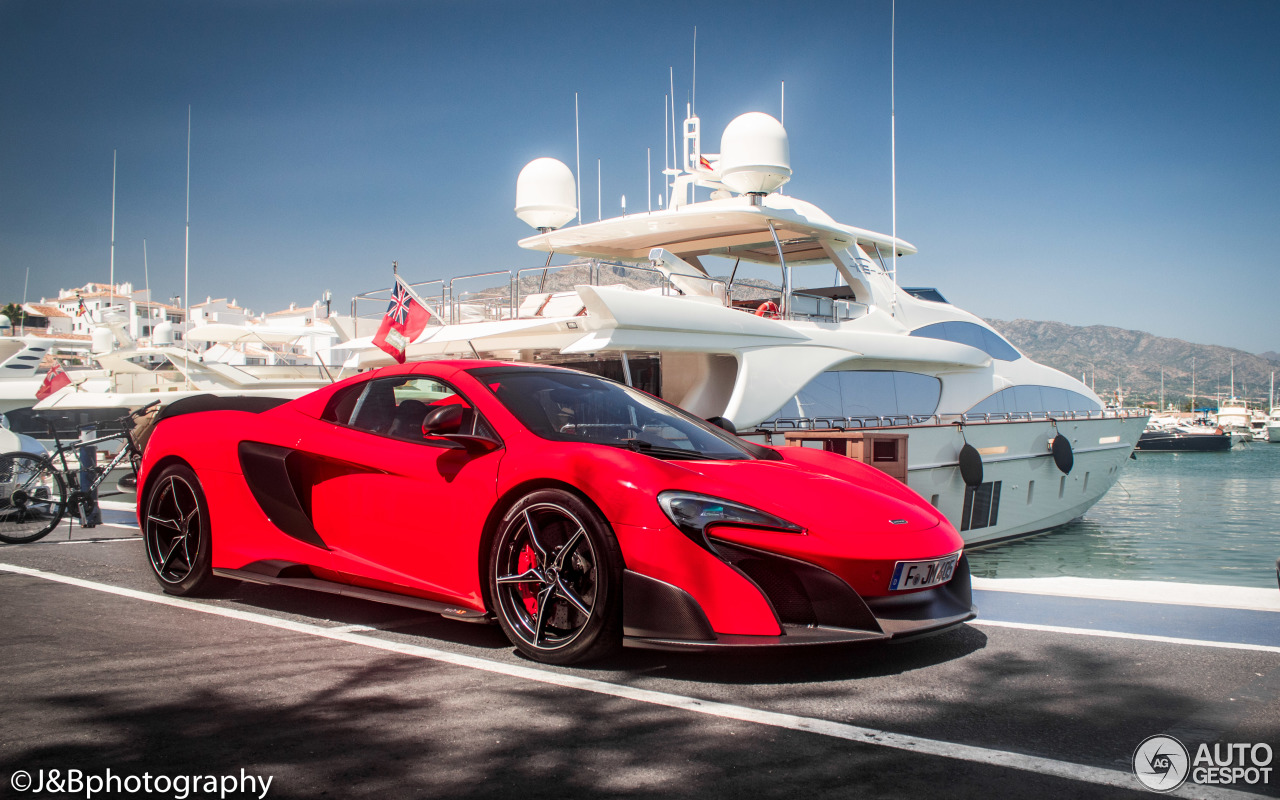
(162, 334)
(755, 156)
(104, 341)
(546, 194)
(6, 324)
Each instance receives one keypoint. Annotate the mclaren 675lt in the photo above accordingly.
(578, 513)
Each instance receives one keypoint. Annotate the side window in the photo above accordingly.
(409, 408)
(973, 335)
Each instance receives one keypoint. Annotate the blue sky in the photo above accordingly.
(1087, 162)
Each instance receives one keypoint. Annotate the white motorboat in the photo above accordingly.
(136, 376)
(901, 378)
(23, 366)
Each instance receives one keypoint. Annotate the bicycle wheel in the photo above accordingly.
(33, 497)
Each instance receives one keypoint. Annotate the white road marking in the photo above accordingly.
(1142, 637)
(837, 730)
(1165, 592)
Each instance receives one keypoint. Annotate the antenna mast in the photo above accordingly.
(893, 143)
(577, 156)
(186, 247)
(693, 97)
(111, 301)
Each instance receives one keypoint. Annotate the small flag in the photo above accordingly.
(404, 321)
(54, 380)
(82, 309)
(704, 162)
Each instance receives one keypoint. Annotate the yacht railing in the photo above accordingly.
(782, 424)
(527, 293)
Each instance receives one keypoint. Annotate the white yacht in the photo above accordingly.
(898, 377)
(134, 376)
(1234, 417)
(23, 362)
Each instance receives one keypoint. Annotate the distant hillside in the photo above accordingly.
(1135, 358)
(1271, 355)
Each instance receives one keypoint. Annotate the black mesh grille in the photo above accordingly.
(776, 580)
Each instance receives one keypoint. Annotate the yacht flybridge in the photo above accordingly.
(898, 377)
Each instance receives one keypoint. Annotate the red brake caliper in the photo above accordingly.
(527, 561)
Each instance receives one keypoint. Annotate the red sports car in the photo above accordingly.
(579, 513)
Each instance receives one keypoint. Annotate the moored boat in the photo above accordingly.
(1002, 445)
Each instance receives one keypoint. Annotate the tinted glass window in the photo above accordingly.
(864, 393)
(1027, 399)
(573, 407)
(404, 407)
(971, 334)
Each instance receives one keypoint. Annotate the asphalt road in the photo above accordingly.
(333, 697)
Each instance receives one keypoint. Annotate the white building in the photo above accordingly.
(86, 305)
(220, 310)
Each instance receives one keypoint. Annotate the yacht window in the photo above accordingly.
(1026, 399)
(864, 393)
(971, 334)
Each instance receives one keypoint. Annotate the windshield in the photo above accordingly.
(574, 407)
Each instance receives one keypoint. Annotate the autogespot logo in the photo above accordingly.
(1161, 763)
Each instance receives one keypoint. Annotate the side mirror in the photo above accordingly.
(474, 445)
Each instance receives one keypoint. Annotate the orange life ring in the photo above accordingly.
(768, 309)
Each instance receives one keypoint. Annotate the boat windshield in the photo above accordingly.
(566, 406)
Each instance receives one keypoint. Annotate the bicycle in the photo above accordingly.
(33, 491)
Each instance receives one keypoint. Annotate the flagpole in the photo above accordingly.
(22, 312)
(186, 265)
(111, 292)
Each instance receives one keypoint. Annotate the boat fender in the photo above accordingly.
(721, 422)
(767, 309)
(1062, 455)
(970, 465)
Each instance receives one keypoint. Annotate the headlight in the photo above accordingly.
(694, 513)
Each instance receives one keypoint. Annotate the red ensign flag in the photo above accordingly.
(54, 380)
(405, 319)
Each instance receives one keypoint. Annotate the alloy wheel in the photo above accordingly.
(547, 576)
(173, 529)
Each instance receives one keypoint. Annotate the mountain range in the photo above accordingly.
(1107, 356)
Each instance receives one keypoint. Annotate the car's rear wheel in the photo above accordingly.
(177, 535)
(555, 576)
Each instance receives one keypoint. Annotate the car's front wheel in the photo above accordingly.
(177, 535)
(555, 576)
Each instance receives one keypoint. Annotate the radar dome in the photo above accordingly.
(162, 335)
(755, 157)
(6, 324)
(546, 194)
(104, 341)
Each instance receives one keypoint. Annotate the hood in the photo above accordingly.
(816, 498)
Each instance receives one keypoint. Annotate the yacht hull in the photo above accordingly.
(1185, 443)
(1022, 490)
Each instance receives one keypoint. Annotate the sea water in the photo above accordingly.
(1186, 517)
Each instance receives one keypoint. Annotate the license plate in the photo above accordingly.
(923, 574)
